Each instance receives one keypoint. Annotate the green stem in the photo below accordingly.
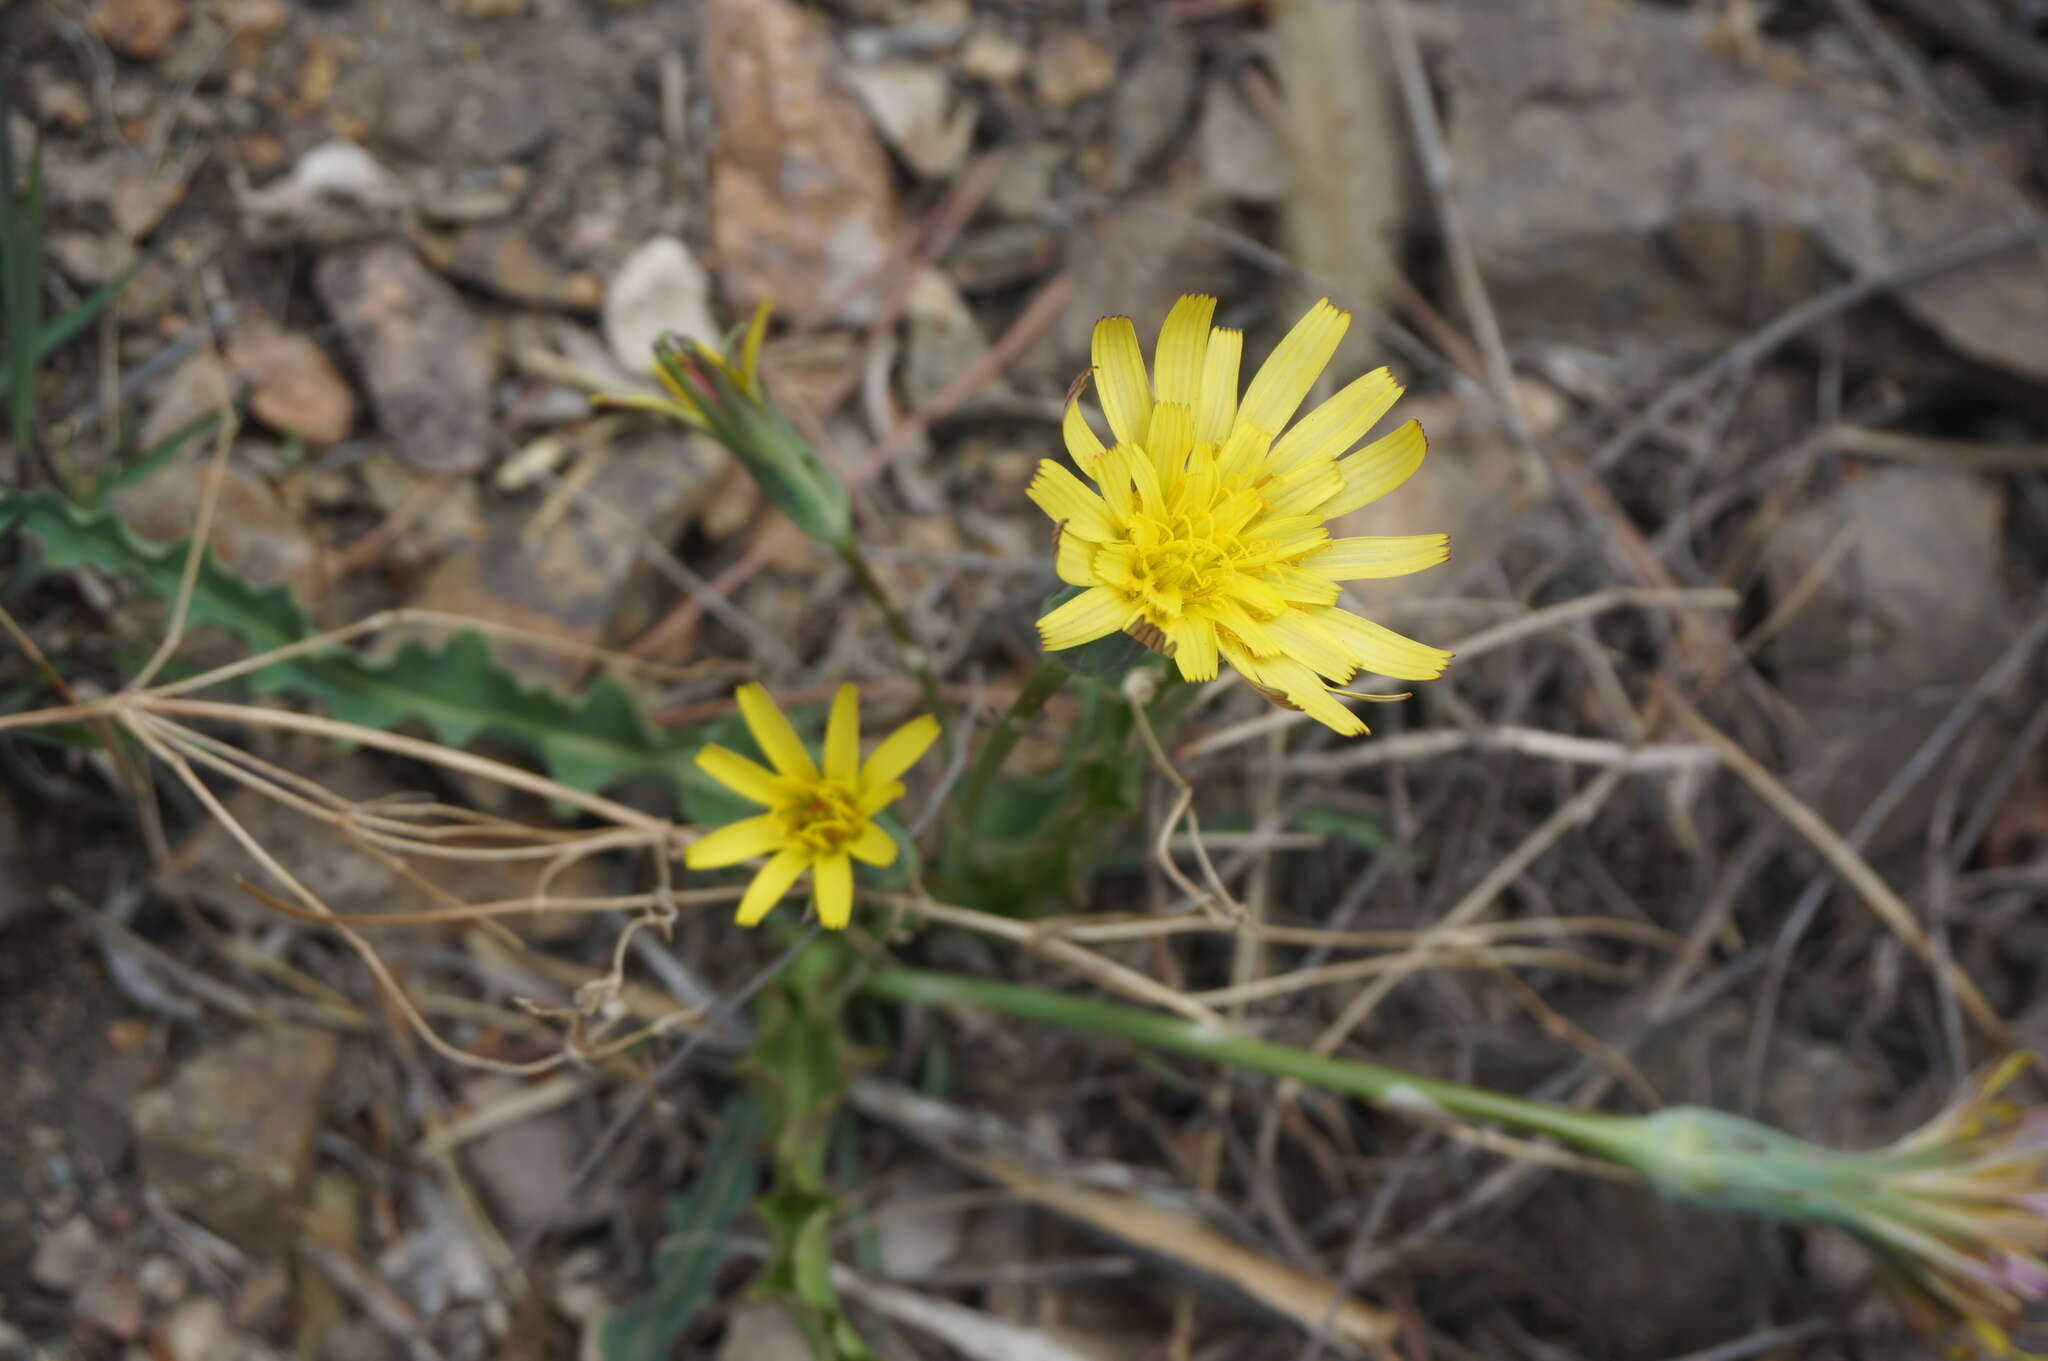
(1389, 1089)
(914, 654)
(1002, 740)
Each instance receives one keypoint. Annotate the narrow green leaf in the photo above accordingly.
(1368, 833)
(49, 338)
(686, 1268)
(21, 264)
(148, 463)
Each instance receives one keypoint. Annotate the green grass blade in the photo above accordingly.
(21, 263)
(49, 338)
(148, 463)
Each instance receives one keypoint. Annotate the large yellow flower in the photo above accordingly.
(1203, 534)
(821, 821)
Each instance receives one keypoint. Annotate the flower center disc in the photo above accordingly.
(1184, 557)
(823, 819)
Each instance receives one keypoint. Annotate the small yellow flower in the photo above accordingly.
(817, 821)
(1203, 535)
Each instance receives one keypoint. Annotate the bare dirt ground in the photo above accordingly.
(1728, 322)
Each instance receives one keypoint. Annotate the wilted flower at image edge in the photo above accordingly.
(817, 820)
(1966, 1231)
(1204, 532)
(1956, 1212)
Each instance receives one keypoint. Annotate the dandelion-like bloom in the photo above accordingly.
(1204, 532)
(1956, 1212)
(817, 820)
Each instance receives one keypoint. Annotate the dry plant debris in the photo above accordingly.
(1725, 324)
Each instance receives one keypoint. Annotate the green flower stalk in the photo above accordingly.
(1955, 1213)
(719, 391)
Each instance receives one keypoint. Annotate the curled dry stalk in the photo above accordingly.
(1139, 687)
(398, 833)
(161, 719)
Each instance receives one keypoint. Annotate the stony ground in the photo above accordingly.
(1608, 243)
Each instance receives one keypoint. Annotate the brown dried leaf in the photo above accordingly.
(139, 28)
(802, 205)
(293, 385)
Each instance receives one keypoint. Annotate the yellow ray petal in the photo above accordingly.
(1369, 556)
(1304, 489)
(842, 735)
(1308, 694)
(1241, 451)
(1377, 469)
(1083, 445)
(1113, 476)
(1217, 407)
(778, 741)
(1298, 586)
(1066, 498)
(1337, 424)
(1251, 635)
(734, 842)
(1072, 561)
(774, 880)
(1194, 649)
(685, 407)
(1095, 613)
(1151, 492)
(1323, 706)
(899, 751)
(1378, 649)
(873, 846)
(1120, 378)
(1293, 367)
(875, 797)
(741, 776)
(1257, 595)
(1183, 339)
(1303, 637)
(832, 882)
(750, 350)
(1170, 436)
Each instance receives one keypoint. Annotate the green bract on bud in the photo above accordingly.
(1956, 1213)
(719, 392)
(1724, 1161)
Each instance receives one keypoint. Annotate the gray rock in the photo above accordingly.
(67, 1256)
(1586, 133)
(229, 1139)
(197, 1330)
(423, 357)
(112, 1302)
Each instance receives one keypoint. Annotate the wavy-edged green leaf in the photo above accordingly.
(457, 689)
